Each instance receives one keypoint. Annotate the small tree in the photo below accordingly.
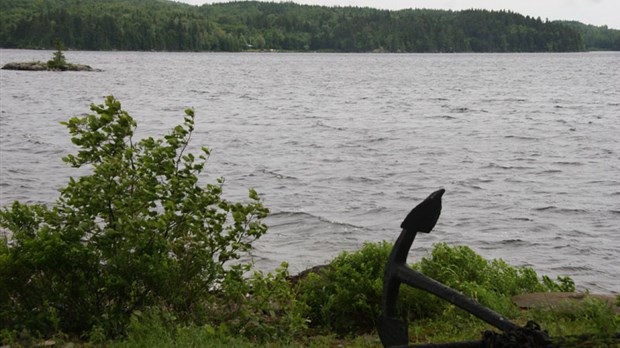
(137, 232)
(58, 61)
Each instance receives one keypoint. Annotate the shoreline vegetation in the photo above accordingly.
(136, 254)
(162, 25)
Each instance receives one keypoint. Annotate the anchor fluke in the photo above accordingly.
(424, 216)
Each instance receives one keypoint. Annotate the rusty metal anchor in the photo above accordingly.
(392, 330)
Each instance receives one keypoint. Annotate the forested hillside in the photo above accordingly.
(597, 38)
(169, 26)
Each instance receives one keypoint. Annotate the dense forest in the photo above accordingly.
(597, 38)
(162, 25)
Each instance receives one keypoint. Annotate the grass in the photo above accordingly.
(590, 317)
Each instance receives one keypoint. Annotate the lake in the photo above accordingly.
(342, 146)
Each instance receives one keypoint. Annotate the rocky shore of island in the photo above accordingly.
(43, 66)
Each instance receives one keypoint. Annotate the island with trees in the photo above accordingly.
(57, 63)
(161, 25)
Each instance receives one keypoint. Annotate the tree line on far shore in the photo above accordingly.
(162, 25)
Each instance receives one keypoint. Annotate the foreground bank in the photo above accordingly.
(337, 306)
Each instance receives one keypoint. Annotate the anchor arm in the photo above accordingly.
(422, 282)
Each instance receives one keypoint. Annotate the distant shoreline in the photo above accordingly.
(305, 52)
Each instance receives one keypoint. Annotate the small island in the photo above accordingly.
(57, 63)
(41, 66)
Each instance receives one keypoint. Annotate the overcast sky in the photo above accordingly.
(597, 12)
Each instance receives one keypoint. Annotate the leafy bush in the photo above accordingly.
(262, 308)
(137, 232)
(492, 283)
(346, 296)
(561, 284)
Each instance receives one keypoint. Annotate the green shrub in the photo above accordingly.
(561, 284)
(137, 232)
(492, 283)
(346, 296)
(262, 308)
(459, 265)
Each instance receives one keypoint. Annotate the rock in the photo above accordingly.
(553, 299)
(33, 66)
(316, 269)
(40, 66)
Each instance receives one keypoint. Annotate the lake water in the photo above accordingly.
(342, 146)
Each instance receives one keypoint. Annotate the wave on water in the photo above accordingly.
(275, 174)
(516, 242)
(550, 171)
(323, 125)
(305, 220)
(360, 179)
(303, 240)
(508, 243)
(521, 137)
(493, 165)
(569, 163)
(445, 117)
(558, 210)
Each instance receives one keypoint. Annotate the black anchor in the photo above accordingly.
(393, 331)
